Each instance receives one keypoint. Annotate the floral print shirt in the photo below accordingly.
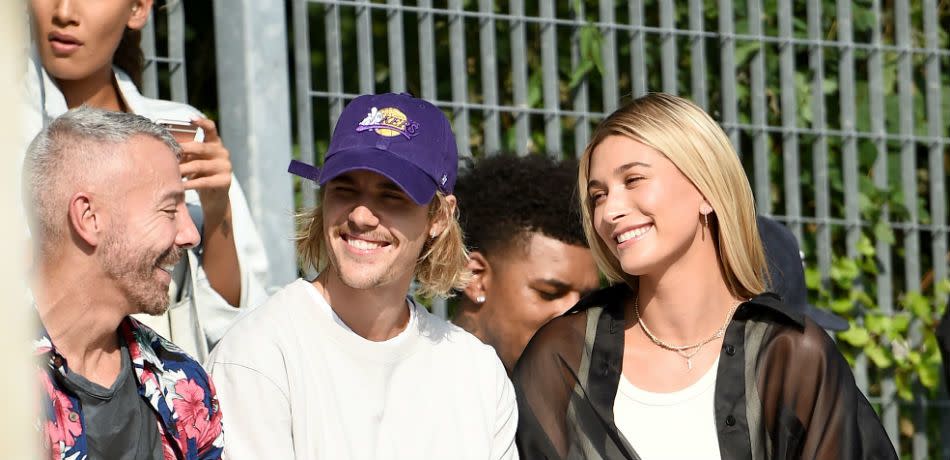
(174, 384)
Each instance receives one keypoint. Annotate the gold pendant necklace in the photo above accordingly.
(686, 351)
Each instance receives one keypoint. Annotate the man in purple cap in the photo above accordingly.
(348, 365)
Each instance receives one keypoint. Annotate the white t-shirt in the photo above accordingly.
(393, 341)
(677, 425)
(295, 383)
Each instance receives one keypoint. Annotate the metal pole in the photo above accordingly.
(254, 94)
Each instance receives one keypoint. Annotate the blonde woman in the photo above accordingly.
(687, 356)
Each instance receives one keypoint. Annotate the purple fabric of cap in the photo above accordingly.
(407, 140)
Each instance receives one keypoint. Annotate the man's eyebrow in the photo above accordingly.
(173, 195)
(344, 178)
(555, 283)
(389, 185)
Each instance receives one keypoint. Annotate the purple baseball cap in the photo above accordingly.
(407, 140)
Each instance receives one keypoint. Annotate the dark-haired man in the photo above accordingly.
(529, 257)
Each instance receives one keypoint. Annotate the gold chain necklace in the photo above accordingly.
(686, 351)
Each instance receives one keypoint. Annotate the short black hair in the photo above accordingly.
(504, 198)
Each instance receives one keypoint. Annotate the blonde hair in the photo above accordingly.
(695, 144)
(442, 267)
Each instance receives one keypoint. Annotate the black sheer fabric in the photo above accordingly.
(783, 391)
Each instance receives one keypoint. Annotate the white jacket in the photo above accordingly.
(198, 316)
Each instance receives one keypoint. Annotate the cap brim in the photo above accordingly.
(412, 180)
(826, 319)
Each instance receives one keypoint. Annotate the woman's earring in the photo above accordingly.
(480, 299)
(705, 210)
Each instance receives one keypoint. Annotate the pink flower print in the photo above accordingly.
(55, 448)
(147, 376)
(168, 453)
(67, 425)
(190, 407)
(208, 436)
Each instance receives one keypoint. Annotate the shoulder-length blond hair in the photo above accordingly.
(441, 268)
(695, 143)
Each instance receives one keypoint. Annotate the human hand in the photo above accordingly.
(207, 168)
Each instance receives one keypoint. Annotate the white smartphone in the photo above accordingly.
(182, 131)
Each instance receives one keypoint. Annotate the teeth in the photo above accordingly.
(635, 233)
(363, 244)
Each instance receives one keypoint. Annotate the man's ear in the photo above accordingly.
(481, 279)
(85, 219)
(140, 11)
(440, 221)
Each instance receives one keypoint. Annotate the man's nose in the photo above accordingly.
(363, 217)
(188, 236)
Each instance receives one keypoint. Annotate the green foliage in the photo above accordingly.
(900, 343)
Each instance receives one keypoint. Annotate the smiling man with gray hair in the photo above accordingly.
(108, 220)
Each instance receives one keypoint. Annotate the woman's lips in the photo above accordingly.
(63, 44)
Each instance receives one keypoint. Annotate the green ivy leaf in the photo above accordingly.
(859, 295)
(900, 322)
(878, 355)
(855, 336)
(884, 232)
(830, 85)
(904, 390)
(917, 304)
(929, 376)
(866, 247)
(877, 324)
(580, 73)
(844, 271)
(914, 358)
(869, 265)
(535, 84)
(590, 46)
(842, 305)
(942, 288)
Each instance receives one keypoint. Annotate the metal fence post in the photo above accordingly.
(254, 95)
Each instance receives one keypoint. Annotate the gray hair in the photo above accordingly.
(70, 153)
